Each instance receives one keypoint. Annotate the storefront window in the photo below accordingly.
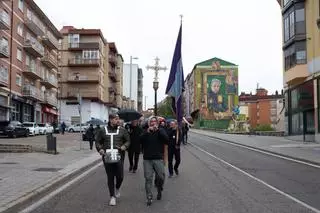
(297, 124)
(27, 113)
(16, 111)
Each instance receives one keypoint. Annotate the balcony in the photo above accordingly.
(3, 77)
(32, 92)
(4, 20)
(32, 46)
(84, 46)
(49, 40)
(49, 82)
(296, 74)
(4, 50)
(32, 72)
(34, 24)
(51, 100)
(50, 61)
(83, 79)
(89, 93)
(81, 62)
(113, 59)
(112, 75)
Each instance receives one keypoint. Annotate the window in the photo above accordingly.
(285, 2)
(74, 40)
(27, 113)
(297, 123)
(286, 29)
(90, 54)
(20, 29)
(20, 5)
(4, 73)
(292, 25)
(19, 54)
(4, 45)
(295, 54)
(5, 17)
(15, 116)
(18, 80)
(289, 26)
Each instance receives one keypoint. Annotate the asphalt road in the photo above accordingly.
(205, 185)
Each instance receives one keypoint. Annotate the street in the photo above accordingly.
(205, 184)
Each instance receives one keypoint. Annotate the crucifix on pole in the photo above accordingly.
(156, 68)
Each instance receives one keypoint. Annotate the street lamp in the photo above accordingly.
(131, 58)
(155, 87)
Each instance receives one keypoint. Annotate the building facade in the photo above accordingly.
(130, 79)
(140, 90)
(212, 89)
(28, 63)
(263, 109)
(301, 52)
(88, 75)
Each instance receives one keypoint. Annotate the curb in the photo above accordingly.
(37, 193)
(264, 150)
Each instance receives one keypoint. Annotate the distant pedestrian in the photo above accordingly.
(154, 144)
(113, 166)
(134, 150)
(175, 138)
(185, 129)
(63, 127)
(90, 135)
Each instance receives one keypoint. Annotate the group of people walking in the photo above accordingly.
(159, 143)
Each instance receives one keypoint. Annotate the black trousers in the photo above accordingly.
(91, 143)
(173, 152)
(114, 172)
(185, 137)
(133, 159)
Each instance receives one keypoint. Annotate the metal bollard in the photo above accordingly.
(51, 144)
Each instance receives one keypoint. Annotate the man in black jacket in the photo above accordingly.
(154, 144)
(175, 138)
(134, 150)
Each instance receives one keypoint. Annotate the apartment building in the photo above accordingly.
(140, 90)
(263, 109)
(130, 79)
(119, 84)
(301, 76)
(28, 63)
(88, 75)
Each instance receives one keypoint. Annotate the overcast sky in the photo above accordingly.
(247, 33)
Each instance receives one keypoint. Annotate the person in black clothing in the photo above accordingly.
(154, 144)
(90, 135)
(175, 138)
(185, 129)
(134, 150)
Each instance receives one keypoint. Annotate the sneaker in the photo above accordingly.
(176, 171)
(170, 175)
(112, 201)
(149, 201)
(159, 195)
(117, 194)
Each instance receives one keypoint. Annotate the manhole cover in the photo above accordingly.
(9, 163)
(47, 169)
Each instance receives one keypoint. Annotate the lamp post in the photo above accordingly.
(131, 58)
(155, 87)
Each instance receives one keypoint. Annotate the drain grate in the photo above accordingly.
(9, 163)
(47, 169)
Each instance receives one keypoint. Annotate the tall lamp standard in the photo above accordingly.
(155, 87)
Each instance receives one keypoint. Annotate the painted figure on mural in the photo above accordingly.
(215, 98)
(231, 83)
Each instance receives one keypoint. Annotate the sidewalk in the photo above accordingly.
(25, 175)
(308, 152)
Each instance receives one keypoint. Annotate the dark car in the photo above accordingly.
(13, 129)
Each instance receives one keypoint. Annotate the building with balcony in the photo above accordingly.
(88, 75)
(130, 90)
(28, 71)
(263, 109)
(119, 84)
(301, 52)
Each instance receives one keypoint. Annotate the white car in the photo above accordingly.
(45, 128)
(76, 127)
(33, 128)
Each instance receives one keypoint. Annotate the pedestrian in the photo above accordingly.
(63, 127)
(175, 137)
(154, 144)
(134, 150)
(113, 166)
(185, 129)
(90, 135)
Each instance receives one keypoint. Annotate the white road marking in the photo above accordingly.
(258, 180)
(264, 152)
(57, 191)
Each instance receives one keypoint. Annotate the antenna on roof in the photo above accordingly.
(257, 85)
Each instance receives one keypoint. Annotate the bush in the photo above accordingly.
(264, 127)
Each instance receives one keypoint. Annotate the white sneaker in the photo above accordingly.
(112, 201)
(117, 195)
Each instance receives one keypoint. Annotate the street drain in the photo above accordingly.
(9, 163)
(47, 169)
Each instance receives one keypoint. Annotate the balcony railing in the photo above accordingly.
(32, 72)
(79, 62)
(83, 78)
(4, 20)
(34, 23)
(91, 93)
(112, 74)
(50, 40)
(113, 59)
(32, 46)
(4, 50)
(84, 45)
(3, 77)
(50, 61)
(32, 92)
(51, 100)
(50, 82)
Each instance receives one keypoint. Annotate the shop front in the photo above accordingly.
(4, 108)
(49, 115)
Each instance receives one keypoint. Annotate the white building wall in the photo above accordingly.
(134, 82)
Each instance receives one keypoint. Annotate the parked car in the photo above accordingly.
(13, 129)
(45, 128)
(76, 127)
(33, 128)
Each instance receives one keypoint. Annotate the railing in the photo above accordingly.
(50, 99)
(3, 75)
(85, 45)
(32, 91)
(83, 61)
(31, 41)
(4, 48)
(33, 69)
(50, 58)
(83, 78)
(4, 17)
(52, 38)
(34, 20)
